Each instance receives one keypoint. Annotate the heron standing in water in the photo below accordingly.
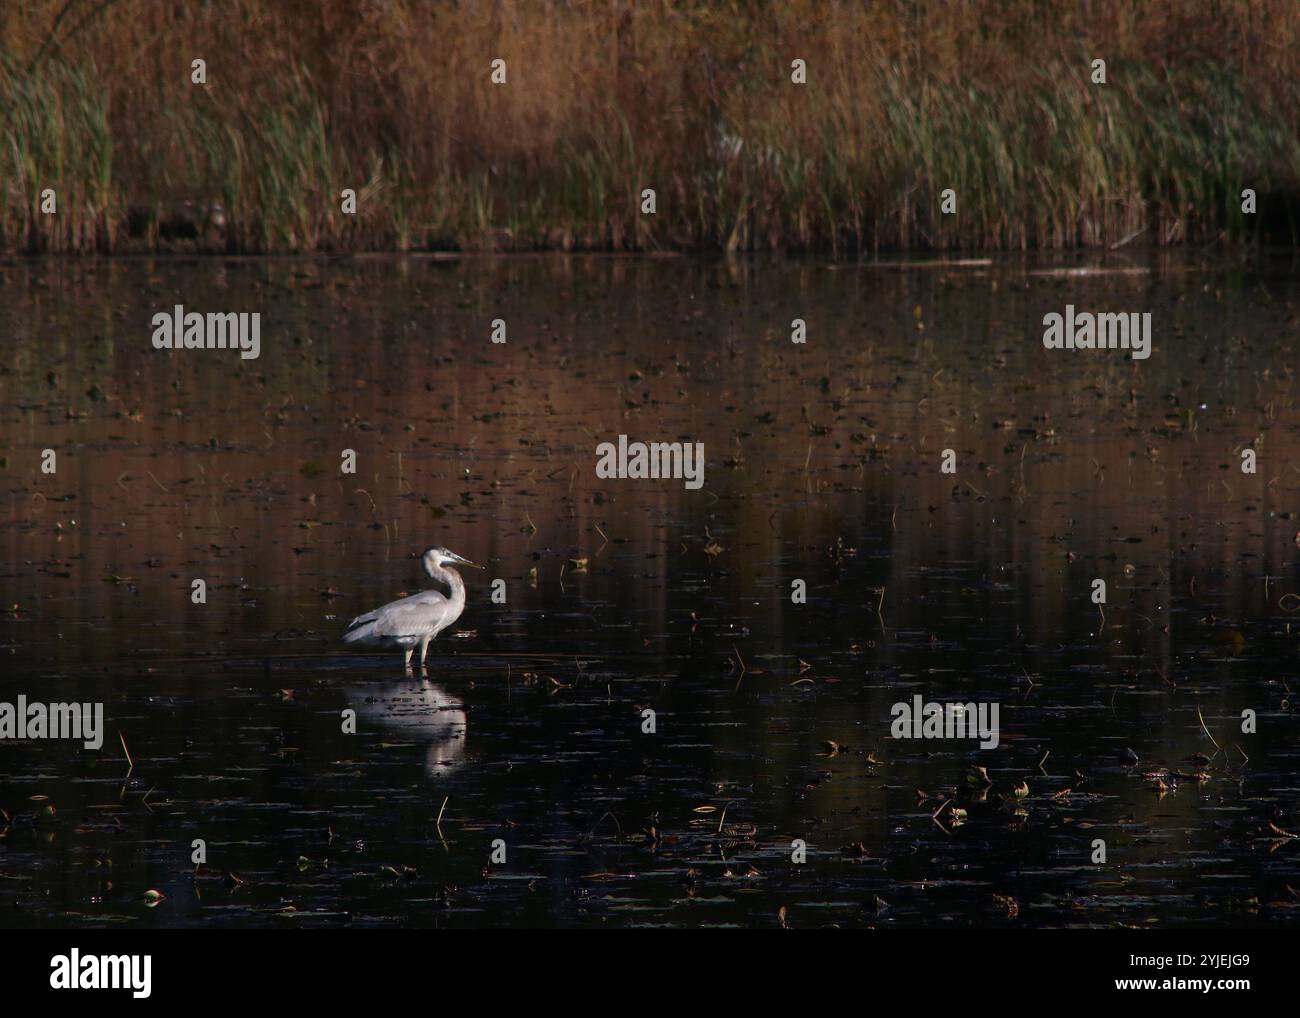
(418, 619)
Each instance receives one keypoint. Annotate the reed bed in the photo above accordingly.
(393, 98)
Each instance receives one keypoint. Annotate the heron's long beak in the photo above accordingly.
(467, 562)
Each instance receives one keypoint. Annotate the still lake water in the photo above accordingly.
(823, 464)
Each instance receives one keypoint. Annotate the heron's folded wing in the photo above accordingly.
(417, 615)
(361, 620)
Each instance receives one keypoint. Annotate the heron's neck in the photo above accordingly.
(452, 578)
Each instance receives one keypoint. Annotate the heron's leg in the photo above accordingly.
(409, 652)
(424, 653)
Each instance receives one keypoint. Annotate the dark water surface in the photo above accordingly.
(823, 464)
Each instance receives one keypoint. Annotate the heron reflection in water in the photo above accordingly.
(416, 620)
(421, 712)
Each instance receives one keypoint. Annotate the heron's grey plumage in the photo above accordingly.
(416, 620)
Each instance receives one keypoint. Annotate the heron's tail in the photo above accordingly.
(361, 629)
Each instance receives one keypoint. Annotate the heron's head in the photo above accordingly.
(435, 558)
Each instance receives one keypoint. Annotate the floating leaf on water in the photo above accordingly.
(1233, 639)
(1008, 903)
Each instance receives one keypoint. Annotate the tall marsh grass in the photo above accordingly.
(606, 97)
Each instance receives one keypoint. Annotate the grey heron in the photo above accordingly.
(418, 619)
